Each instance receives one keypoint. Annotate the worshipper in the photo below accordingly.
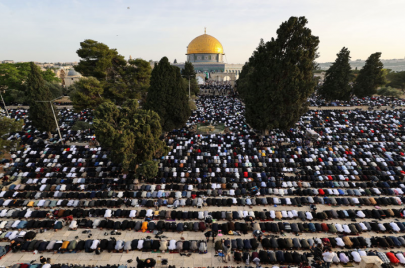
(328, 256)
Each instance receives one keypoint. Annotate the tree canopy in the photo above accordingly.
(337, 78)
(8, 125)
(389, 92)
(87, 94)
(40, 113)
(13, 77)
(127, 80)
(120, 79)
(370, 77)
(278, 78)
(167, 96)
(96, 59)
(397, 80)
(131, 133)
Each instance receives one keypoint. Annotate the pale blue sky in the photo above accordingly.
(51, 30)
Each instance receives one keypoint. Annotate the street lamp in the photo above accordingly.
(189, 95)
(54, 116)
(5, 107)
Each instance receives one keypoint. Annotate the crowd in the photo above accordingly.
(355, 101)
(355, 166)
(217, 88)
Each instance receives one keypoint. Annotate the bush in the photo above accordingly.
(192, 105)
(389, 92)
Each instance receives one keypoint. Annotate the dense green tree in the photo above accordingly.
(397, 80)
(337, 78)
(13, 77)
(389, 92)
(49, 76)
(243, 80)
(189, 73)
(167, 96)
(132, 134)
(8, 125)
(96, 59)
(370, 77)
(121, 79)
(55, 89)
(279, 77)
(127, 80)
(87, 94)
(40, 113)
(149, 169)
(82, 125)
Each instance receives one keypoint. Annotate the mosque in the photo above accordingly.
(207, 55)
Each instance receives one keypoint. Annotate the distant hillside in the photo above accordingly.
(395, 64)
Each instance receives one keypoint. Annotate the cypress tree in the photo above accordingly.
(279, 77)
(336, 85)
(167, 96)
(370, 77)
(40, 113)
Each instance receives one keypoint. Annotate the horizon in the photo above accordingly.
(45, 31)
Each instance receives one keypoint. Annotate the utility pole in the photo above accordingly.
(189, 91)
(54, 115)
(5, 107)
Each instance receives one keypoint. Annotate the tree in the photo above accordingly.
(49, 76)
(127, 80)
(96, 59)
(370, 77)
(121, 80)
(389, 92)
(132, 134)
(336, 84)
(55, 89)
(87, 94)
(189, 73)
(397, 80)
(7, 126)
(149, 169)
(167, 96)
(278, 78)
(13, 77)
(40, 113)
(175, 61)
(82, 125)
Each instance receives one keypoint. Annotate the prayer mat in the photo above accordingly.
(157, 251)
(349, 264)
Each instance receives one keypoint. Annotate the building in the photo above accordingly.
(67, 76)
(7, 61)
(207, 55)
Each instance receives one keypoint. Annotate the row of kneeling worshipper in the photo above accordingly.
(334, 242)
(341, 257)
(188, 198)
(199, 202)
(197, 215)
(109, 245)
(18, 227)
(45, 188)
(201, 215)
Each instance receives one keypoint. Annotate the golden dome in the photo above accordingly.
(206, 44)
